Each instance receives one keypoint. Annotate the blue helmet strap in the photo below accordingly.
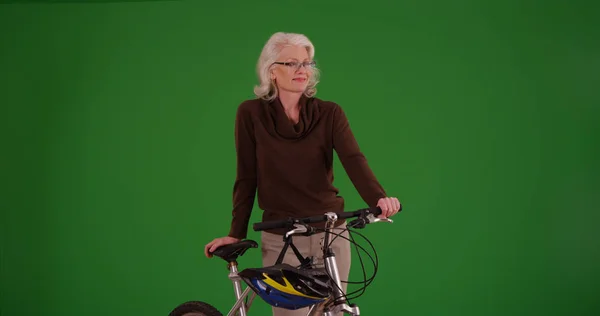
(305, 262)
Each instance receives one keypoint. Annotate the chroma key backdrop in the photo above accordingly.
(118, 155)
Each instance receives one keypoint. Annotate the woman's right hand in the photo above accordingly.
(218, 242)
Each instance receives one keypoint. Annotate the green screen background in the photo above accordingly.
(118, 158)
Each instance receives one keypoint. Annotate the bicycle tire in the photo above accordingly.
(195, 308)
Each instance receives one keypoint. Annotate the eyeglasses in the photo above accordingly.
(294, 65)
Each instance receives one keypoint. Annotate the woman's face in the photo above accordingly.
(294, 74)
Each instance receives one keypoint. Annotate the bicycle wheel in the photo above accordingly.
(195, 308)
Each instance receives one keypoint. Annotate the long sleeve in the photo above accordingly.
(244, 189)
(354, 161)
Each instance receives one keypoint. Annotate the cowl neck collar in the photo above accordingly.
(283, 127)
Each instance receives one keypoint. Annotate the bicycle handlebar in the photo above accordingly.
(376, 211)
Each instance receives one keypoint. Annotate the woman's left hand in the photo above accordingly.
(389, 206)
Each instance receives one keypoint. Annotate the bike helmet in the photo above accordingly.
(287, 287)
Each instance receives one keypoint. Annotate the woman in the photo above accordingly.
(285, 140)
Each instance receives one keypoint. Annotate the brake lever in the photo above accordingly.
(372, 219)
(300, 229)
(362, 221)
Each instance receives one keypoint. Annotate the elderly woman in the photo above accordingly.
(285, 139)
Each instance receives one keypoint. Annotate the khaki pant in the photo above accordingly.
(308, 246)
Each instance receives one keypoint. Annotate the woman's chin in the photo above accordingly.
(296, 89)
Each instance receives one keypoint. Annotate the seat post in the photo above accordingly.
(237, 286)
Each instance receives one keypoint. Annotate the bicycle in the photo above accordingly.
(313, 286)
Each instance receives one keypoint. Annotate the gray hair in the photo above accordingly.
(266, 89)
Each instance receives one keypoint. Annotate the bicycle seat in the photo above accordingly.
(231, 252)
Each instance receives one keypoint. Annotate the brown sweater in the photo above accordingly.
(291, 165)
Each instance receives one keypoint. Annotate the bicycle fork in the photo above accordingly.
(340, 304)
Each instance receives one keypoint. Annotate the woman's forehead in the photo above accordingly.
(294, 52)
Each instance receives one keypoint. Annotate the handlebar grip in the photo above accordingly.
(375, 210)
(270, 225)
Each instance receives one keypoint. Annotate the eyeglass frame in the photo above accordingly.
(307, 64)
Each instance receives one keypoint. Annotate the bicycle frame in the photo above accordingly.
(340, 305)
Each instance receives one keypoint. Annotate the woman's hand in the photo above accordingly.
(389, 206)
(218, 242)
